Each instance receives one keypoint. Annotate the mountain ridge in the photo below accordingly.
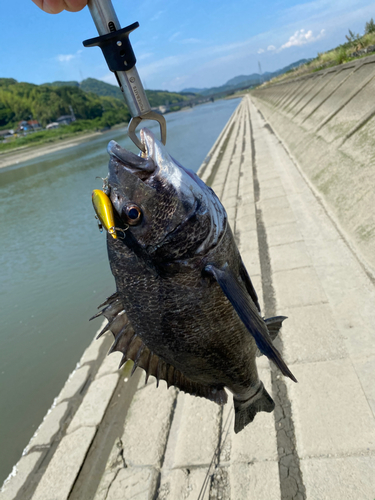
(242, 81)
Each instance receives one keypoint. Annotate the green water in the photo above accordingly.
(54, 270)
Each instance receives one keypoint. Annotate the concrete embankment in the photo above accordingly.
(110, 438)
(327, 122)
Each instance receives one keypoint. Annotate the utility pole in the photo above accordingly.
(260, 73)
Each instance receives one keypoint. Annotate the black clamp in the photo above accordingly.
(116, 48)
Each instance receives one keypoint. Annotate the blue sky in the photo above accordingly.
(180, 43)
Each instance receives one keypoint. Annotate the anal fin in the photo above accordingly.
(132, 347)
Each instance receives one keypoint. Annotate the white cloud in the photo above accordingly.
(145, 55)
(65, 57)
(157, 15)
(260, 51)
(301, 37)
(191, 40)
(271, 47)
(174, 36)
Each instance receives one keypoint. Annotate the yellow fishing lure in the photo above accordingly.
(104, 211)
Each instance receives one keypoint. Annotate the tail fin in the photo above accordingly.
(274, 324)
(246, 411)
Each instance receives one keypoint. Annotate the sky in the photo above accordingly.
(180, 43)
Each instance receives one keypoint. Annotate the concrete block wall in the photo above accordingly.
(326, 121)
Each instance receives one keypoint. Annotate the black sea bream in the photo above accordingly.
(185, 309)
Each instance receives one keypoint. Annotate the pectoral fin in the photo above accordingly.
(249, 315)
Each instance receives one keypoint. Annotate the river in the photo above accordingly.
(54, 270)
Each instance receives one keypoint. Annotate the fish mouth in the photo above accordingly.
(142, 166)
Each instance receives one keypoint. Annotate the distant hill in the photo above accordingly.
(63, 84)
(243, 81)
(193, 90)
(90, 100)
(46, 103)
(155, 97)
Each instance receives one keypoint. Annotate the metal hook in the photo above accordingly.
(151, 115)
(116, 230)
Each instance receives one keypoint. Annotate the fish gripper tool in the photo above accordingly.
(119, 54)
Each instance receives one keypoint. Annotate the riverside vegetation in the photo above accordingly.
(356, 45)
(96, 106)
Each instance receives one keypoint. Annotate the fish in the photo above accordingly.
(185, 309)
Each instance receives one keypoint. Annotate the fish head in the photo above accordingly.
(166, 209)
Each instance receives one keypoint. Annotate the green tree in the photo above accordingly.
(352, 37)
(370, 27)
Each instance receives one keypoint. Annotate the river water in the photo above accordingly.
(54, 270)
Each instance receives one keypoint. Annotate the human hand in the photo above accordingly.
(56, 6)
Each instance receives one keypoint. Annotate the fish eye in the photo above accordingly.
(132, 215)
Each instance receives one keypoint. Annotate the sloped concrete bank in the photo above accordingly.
(326, 121)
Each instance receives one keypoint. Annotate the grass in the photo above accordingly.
(339, 55)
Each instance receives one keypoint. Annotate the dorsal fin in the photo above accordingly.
(132, 347)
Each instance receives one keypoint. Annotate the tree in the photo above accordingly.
(352, 37)
(370, 27)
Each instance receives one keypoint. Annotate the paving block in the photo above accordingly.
(94, 404)
(245, 222)
(227, 431)
(245, 209)
(248, 238)
(274, 203)
(291, 288)
(271, 190)
(74, 384)
(247, 191)
(277, 217)
(110, 364)
(255, 481)
(198, 431)
(65, 465)
(349, 478)
(231, 213)
(229, 202)
(256, 280)
(330, 411)
(114, 464)
(289, 256)
(50, 426)
(16, 482)
(147, 426)
(273, 183)
(352, 301)
(257, 442)
(365, 369)
(251, 260)
(92, 352)
(310, 334)
(265, 174)
(134, 483)
(282, 234)
(184, 484)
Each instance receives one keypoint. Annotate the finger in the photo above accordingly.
(56, 6)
